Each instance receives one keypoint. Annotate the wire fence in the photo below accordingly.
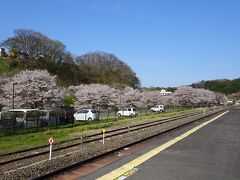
(20, 122)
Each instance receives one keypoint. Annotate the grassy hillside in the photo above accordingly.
(73, 73)
(3, 65)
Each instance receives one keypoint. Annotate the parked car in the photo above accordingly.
(127, 112)
(157, 108)
(237, 103)
(28, 118)
(86, 114)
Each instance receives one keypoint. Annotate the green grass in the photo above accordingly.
(6, 69)
(65, 132)
(3, 65)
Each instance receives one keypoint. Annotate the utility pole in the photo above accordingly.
(13, 95)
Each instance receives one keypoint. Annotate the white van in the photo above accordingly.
(28, 117)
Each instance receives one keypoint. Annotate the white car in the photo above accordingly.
(157, 108)
(86, 114)
(237, 103)
(127, 112)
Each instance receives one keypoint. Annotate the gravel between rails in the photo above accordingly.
(86, 151)
(10, 158)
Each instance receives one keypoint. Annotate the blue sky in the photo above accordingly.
(166, 42)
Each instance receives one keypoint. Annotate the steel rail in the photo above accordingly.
(89, 136)
(108, 135)
(79, 163)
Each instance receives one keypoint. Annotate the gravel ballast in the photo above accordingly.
(86, 151)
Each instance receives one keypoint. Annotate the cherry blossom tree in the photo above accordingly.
(3, 81)
(152, 98)
(93, 95)
(103, 96)
(221, 98)
(188, 96)
(129, 97)
(38, 88)
(32, 89)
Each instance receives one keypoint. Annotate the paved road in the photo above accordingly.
(212, 152)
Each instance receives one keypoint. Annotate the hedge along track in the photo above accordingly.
(8, 159)
(124, 130)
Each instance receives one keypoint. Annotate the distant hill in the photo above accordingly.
(107, 68)
(114, 72)
(31, 50)
(225, 86)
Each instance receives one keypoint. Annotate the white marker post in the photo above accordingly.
(204, 111)
(81, 142)
(103, 132)
(50, 141)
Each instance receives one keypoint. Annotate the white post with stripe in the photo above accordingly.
(50, 141)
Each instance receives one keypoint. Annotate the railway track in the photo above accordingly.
(43, 150)
(26, 157)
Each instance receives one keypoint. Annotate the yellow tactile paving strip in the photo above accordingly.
(136, 162)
